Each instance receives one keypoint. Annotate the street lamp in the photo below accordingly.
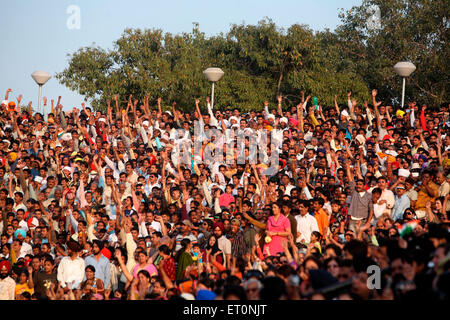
(404, 69)
(41, 77)
(213, 75)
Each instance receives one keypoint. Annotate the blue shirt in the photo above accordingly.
(102, 268)
(401, 204)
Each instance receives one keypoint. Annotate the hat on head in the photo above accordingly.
(186, 222)
(38, 179)
(4, 102)
(390, 128)
(415, 166)
(106, 253)
(424, 158)
(361, 139)
(294, 122)
(74, 246)
(321, 150)
(400, 113)
(66, 136)
(5, 264)
(233, 118)
(13, 156)
(32, 223)
(187, 296)
(284, 119)
(219, 225)
(388, 137)
(21, 232)
(403, 173)
(205, 295)
(344, 113)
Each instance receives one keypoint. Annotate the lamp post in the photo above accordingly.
(213, 75)
(41, 77)
(404, 70)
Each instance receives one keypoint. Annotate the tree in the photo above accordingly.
(262, 61)
(414, 30)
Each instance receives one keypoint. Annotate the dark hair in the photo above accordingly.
(273, 288)
(184, 243)
(164, 249)
(90, 267)
(145, 273)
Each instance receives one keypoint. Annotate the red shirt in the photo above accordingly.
(169, 268)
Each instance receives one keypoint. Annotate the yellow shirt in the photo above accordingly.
(21, 288)
(423, 196)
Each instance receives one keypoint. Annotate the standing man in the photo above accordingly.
(223, 243)
(306, 223)
(99, 262)
(361, 205)
(401, 202)
(387, 196)
(71, 268)
(286, 210)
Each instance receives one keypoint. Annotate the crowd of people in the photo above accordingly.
(100, 205)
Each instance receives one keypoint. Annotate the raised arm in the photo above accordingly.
(280, 110)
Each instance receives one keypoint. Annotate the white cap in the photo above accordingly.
(392, 153)
(284, 119)
(66, 136)
(5, 102)
(271, 116)
(145, 123)
(361, 139)
(102, 120)
(187, 296)
(233, 118)
(415, 166)
(38, 179)
(403, 173)
(344, 113)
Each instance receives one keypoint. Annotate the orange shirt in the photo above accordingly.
(322, 220)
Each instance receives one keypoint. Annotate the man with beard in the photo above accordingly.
(7, 284)
(99, 262)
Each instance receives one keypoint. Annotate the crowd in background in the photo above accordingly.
(100, 205)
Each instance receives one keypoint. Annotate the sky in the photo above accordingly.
(39, 35)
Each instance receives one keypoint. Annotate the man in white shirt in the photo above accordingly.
(387, 196)
(306, 224)
(223, 243)
(25, 248)
(71, 268)
(378, 209)
(7, 284)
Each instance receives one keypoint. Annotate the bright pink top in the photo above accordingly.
(281, 225)
(225, 199)
(150, 268)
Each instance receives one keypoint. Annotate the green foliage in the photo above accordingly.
(411, 30)
(261, 61)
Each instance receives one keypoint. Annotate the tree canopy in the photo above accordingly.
(261, 61)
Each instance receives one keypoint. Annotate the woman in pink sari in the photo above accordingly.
(278, 228)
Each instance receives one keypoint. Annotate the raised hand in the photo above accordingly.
(279, 98)
(374, 92)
